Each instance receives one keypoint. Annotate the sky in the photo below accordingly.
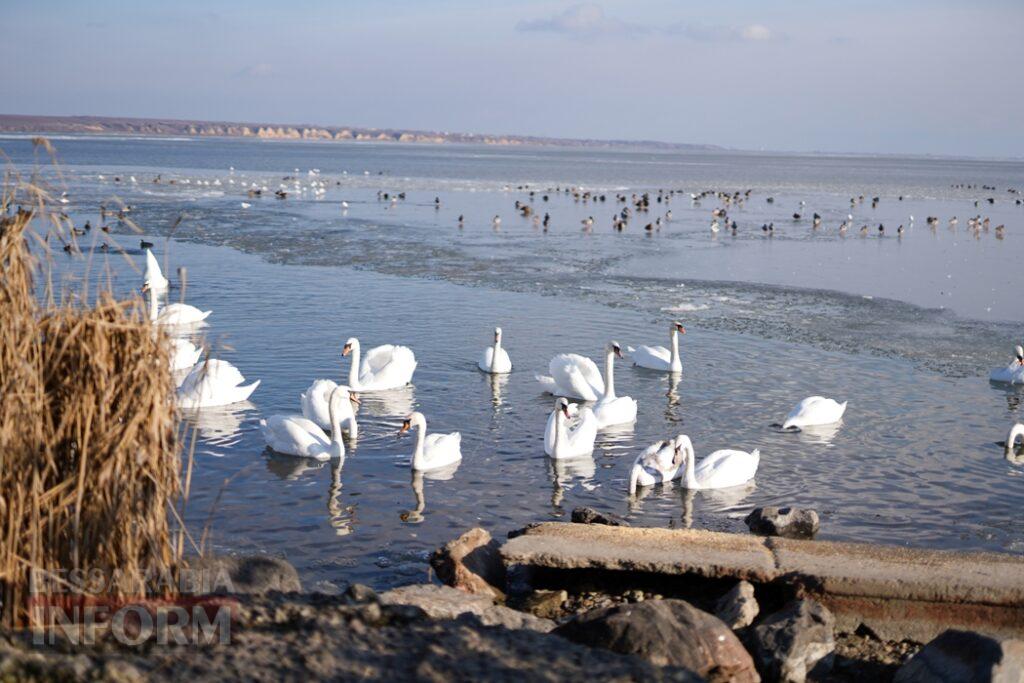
(912, 76)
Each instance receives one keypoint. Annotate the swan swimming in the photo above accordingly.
(573, 376)
(495, 359)
(572, 442)
(814, 410)
(659, 462)
(316, 406)
(213, 383)
(722, 469)
(433, 451)
(154, 277)
(549, 429)
(611, 409)
(1016, 431)
(658, 357)
(384, 367)
(298, 436)
(1012, 373)
(175, 314)
(184, 354)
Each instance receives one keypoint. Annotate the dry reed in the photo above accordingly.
(89, 447)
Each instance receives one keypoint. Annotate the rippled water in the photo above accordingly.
(915, 461)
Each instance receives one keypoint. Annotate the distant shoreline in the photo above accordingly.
(105, 125)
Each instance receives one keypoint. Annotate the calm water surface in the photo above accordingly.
(905, 329)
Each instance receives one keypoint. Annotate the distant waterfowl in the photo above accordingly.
(660, 462)
(385, 367)
(611, 409)
(572, 442)
(1012, 373)
(298, 436)
(246, 205)
(153, 277)
(213, 383)
(496, 221)
(495, 359)
(173, 315)
(814, 410)
(573, 376)
(658, 357)
(722, 469)
(433, 451)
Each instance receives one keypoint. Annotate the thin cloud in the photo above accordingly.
(721, 34)
(587, 19)
(260, 70)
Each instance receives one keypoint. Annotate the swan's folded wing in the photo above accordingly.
(388, 365)
(315, 401)
(576, 376)
(648, 355)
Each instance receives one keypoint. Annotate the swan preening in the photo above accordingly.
(433, 451)
(658, 357)
(1012, 373)
(664, 462)
(495, 359)
(814, 410)
(173, 315)
(316, 406)
(154, 278)
(298, 436)
(571, 442)
(384, 367)
(213, 383)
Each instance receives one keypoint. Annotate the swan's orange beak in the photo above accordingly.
(354, 398)
(565, 411)
(347, 349)
(681, 329)
(145, 288)
(405, 428)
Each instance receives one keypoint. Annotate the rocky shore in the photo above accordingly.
(496, 620)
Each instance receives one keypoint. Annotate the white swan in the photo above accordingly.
(385, 367)
(660, 462)
(433, 451)
(719, 470)
(573, 376)
(611, 409)
(658, 357)
(549, 429)
(316, 406)
(1012, 373)
(577, 441)
(154, 277)
(173, 315)
(213, 383)
(184, 354)
(1016, 431)
(814, 410)
(495, 359)
(295, 435)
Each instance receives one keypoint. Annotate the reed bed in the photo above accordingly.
(90, 455)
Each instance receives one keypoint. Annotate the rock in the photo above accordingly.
(794, 642)
(442, 602)
(471, 563)
(515, 533)
(358, 593)
(545, 604)
(965, 657)
(787, 521)
(585, 515)
(665, 633)
(738, 608)
(248, 575)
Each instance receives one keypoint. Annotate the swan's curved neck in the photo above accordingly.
(353, 370)
(609, 374)
(675, 362)
(337, 445)
(691, 480)
(418, 454)
(495, 352)
(559, 434)
(154, 305)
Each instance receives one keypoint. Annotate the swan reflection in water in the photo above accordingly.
(391, 403)
(819, 434)
(415, 516)
(497, 382)
(717, 501)
(219, 424)
(673, 396)
(289, 468)
(564, 470)
(1013, 452)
